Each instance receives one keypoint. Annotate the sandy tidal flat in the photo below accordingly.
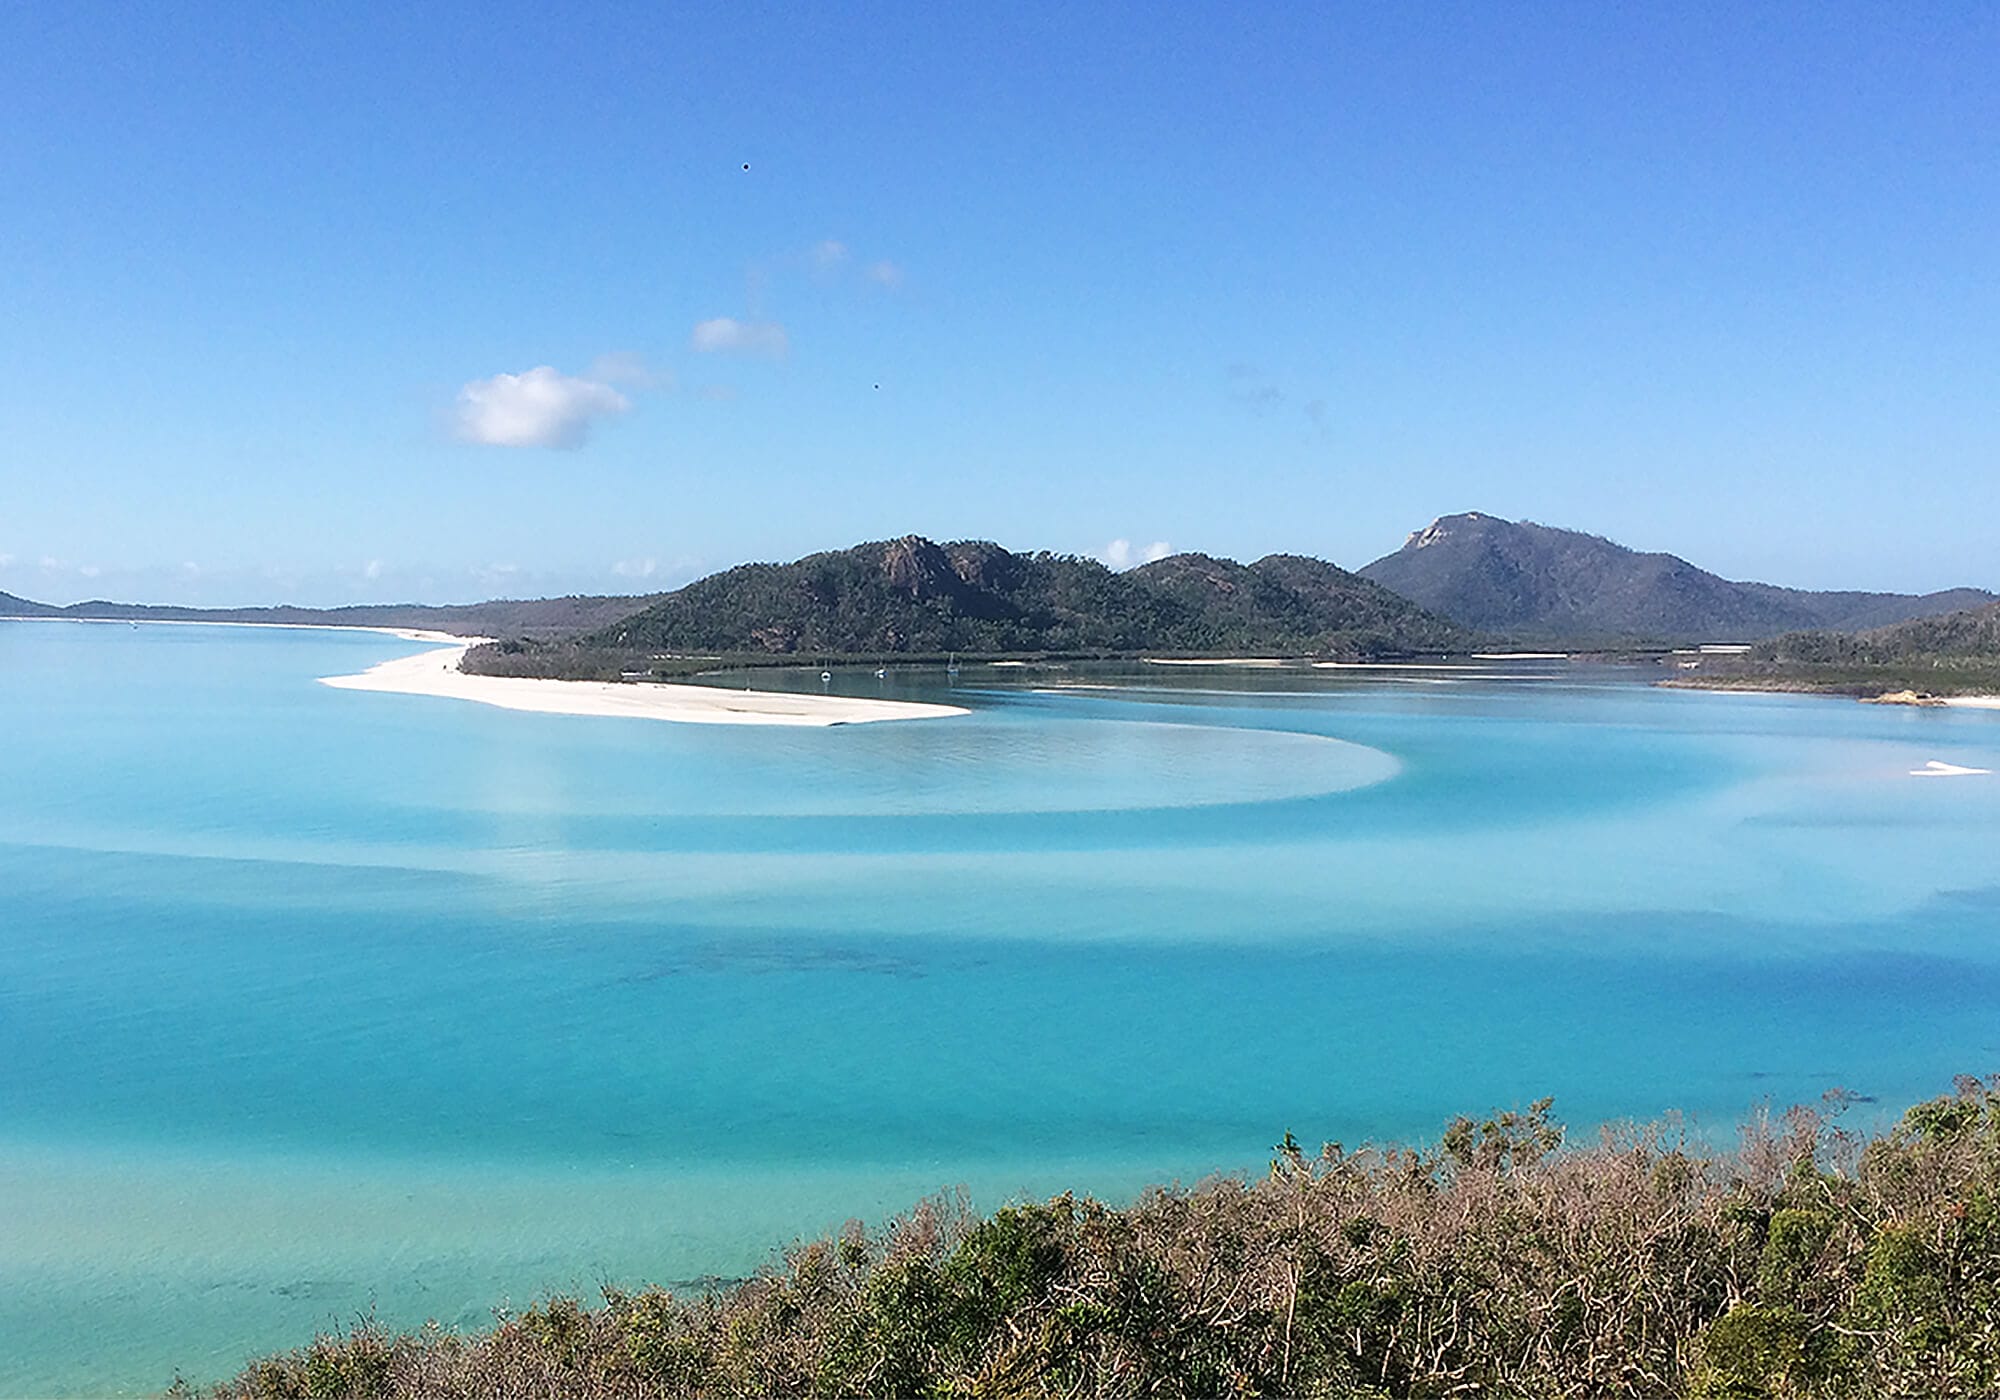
(436, 673)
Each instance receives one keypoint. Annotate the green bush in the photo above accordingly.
(1805, 1265)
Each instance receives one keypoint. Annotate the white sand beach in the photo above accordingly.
(1974, 702)
(1261, 661)
(1390, 666)
(436, 673)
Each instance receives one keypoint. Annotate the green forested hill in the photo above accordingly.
(1540, 583)
(1958, 653)
(1970, 635)
(913, 596)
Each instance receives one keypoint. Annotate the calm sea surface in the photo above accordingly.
(315, 1002)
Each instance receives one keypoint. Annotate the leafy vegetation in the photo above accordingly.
(1958, 653)
(911, 596)
(1806, 1263)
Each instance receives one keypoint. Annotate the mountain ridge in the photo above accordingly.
(912, 595)
(1539, 582)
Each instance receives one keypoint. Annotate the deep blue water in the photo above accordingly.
(313, 1001)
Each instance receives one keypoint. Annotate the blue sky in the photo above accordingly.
(338, 303)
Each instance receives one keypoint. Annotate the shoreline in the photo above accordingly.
(435, 673)
(408, 634)
(1720, 685)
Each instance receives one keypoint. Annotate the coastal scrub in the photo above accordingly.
(1505, 1261)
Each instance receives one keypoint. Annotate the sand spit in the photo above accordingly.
(1918, 697)
(1390, 666)
(436, 673)
(1264, 662)
(1937, 768)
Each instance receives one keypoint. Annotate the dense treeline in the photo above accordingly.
(1807, 1262)
(911, 596)
(1957, 653)
(1960, 638)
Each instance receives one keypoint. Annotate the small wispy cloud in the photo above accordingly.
(540, 407)
(1251, 388)
(636, 568)
(726, 335)
(884, 273)
(629, 369)
(1121, 555)
(828, 254)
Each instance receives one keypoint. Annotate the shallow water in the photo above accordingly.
(315, 1001)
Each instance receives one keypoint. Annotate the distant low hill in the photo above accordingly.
(533, 617)
(1955, 654)
(913, 596)
(1540, 583)
(1972, 635)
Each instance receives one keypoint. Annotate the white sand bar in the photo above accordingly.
(1974, 702)
(1266, 662)
(436, 673)
(1937, 768)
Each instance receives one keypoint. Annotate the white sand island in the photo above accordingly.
(436, 673)
(1938, 768)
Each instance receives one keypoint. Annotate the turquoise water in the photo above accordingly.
(314, 1002)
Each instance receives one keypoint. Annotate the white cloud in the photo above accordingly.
(537, 408)
(829, 254)
(885, 273)
(372, 569)
(636, 568)
(1120, 554)
(724, 334)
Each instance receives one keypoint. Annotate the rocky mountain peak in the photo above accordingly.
(918, 567)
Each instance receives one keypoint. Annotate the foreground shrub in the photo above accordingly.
(1505, 1262)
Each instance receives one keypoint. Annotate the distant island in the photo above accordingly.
(913, 598)
(507, 617)
(1465, 583)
